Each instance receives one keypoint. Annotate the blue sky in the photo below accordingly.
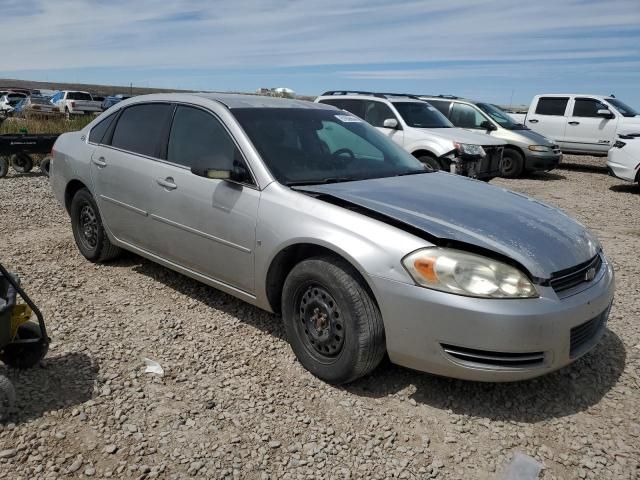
(490, 50)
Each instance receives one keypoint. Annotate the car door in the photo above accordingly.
(549, 118)
(375, 113)
(586, 130)
(123, 168)
(203, 224)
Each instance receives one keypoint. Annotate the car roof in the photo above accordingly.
(361, 96)
(230, 100)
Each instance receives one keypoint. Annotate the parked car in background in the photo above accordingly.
(624, 158)
(525, 150)
(9, 100)
(582, 124)
(35, 105)
(303, 209)
(74, 102)
(423, 131)
(111, 100)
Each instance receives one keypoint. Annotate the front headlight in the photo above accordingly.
(540, 148)
(470, 149)
(463, 273)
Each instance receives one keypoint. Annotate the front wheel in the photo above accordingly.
(332, 322)
(88, 230)
(512, 164)
(431, 163)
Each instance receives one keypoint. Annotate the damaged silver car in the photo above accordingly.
(306, 210)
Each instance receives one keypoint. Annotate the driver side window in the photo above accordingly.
(464, 116)
(376, 113)
(336, 138)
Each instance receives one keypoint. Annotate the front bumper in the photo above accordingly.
(452, 335)
(624, 170)
(541, 161)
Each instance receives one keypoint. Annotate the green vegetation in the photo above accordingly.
(44, 125)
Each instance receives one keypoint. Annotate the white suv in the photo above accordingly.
(423, 131)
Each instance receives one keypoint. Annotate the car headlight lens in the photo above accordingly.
(470, 149)
(540, 148)
(462, 273)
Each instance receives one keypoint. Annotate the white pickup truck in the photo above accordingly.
(74, 102)
(582, 124)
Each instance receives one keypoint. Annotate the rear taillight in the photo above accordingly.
(619, 144)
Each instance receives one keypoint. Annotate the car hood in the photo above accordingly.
(630, 125)
(534, 138)
(464, 136)
(541, 238)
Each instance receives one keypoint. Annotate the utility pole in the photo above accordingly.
(511, 99)
(131, 89)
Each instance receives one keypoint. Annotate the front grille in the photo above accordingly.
(490, 163)
(584, 336)
(572, 277)
(495, 359)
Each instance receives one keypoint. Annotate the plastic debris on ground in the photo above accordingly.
(153, 367)
(522, 467)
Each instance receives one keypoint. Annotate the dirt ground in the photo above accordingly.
(234, 402)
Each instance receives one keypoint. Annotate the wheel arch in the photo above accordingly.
(290, 255)
(70, 190)
(420, 152)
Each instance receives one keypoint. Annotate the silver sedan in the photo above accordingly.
(305, 210)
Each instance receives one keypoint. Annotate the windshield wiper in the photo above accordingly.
(321, 181)
(413, 172)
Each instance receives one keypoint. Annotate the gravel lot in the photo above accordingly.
(234, 403)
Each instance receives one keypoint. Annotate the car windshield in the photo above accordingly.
(422, 115)
(500, 116)
(15, 99)
(305, 146)
(624, 109)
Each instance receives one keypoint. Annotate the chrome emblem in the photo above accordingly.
(590, 274)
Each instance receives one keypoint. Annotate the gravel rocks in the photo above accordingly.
(234, 403)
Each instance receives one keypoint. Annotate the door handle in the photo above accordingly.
(574, 123)
(99, 162)
(533, 120)
(166, 183)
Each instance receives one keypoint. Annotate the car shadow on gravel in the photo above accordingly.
(583, 167)
(565, 392)
(59, 382)
(209, 296)
(543, 176)
(626, 188)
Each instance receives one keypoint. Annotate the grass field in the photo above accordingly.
(44, 125)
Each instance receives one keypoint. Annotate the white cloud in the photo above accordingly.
(74, 34)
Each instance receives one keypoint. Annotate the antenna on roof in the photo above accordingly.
(612, 96)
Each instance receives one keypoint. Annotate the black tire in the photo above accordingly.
(22, 162)
(45, 165)
(333, 324)
(7, 397)
(4, 166)
(431, 162)
(25, 355)
(88, 231)
(512, 164)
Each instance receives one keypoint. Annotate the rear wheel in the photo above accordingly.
(45, 165)
(431, 162)
(22, 162)
(333, 325)
(512, 163)
(4, 166)
(88, 230)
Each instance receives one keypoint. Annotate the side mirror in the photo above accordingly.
(487, 125)
(220, 167)
(390, 123)
(605, 113)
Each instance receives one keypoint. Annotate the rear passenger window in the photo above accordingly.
(198, 138)
(97, 132)
(587, 107)
(552, 106)
(140, 127)
(441, 105)
(353, 106)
